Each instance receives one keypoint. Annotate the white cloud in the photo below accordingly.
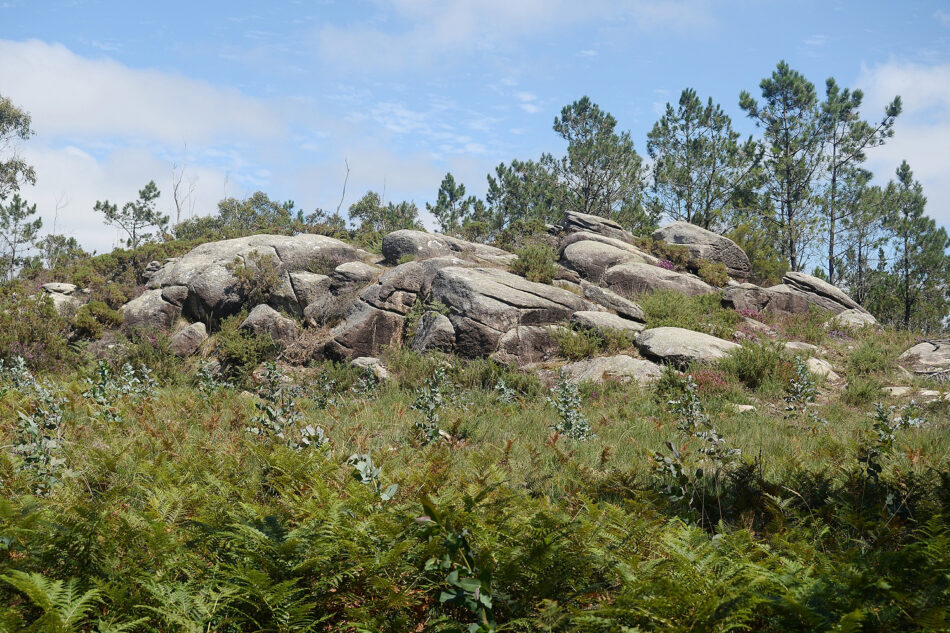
(441, 28)
(922, 131)
(104, 130)
(943, 17)
(95, 98)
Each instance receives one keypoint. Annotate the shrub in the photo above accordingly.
(578, 342)
(861, 390)
(870, 356)
(152, 351)
(713, 273)
(678, 256)
(807, 327)
(258, 275)
(240, 350)
(666, 308)
(92, 318)
(31, 327)
(536, 262)
(756, 363)
(710, 382)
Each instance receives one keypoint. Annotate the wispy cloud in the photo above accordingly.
(943, 17)
(921, 132)
(433, 30)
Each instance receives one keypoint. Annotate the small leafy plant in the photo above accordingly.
(566, 400)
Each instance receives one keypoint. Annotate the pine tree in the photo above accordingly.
(452, 208)
(15, 124)
(861, 233)
(18, 232)
(920, 266)
(700, 166)
(848, 136)
(135, 217)
(794, 136)
(602, 171)
(373, 216)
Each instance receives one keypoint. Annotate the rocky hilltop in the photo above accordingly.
(460, 297)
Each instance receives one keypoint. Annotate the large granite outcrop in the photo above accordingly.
(703, 244)
(407, 243)
(213, 291)
(928, 358)
(631, 279)
(485, 303)
(681, 347)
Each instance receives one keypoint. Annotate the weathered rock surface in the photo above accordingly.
(485, 303)
(775, 300)
(213, 292)
(422, 245)
(65, 297)
(633, 279)
(822, 369)
(928, 358)
(364, 332)
(264, 319)
(606, 321)
(149, 312)
(526, 344)
(372, 365)
(612, 301)
(852, 318)
(703, 244)
(592, 258)
(379, 311)
(681, 347)
(801, 346)
(187, 341)
(621, 368)
(434, 331)
(820, 292)
(574, 222)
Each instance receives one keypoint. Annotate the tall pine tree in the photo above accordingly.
(794, 137)
(700, 166)
(920, 266)
(848, 136)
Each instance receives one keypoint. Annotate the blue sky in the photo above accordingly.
(250, 95)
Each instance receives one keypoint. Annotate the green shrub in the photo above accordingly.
(257, 274)
(713, 273)
(578, 342)
(807, 327)
(869, 357)
(536, 262)
(240, 350)
(677, 255)
(861, 390)
(30, 327)
(666, 308)
(755, 364)
(152, 351)
(93, 318)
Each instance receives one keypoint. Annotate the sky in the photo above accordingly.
(281, 96)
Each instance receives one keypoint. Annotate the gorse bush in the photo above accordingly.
(713, 273)
(257, 275)
(665, 308)
(577, 342)
(240, 351)
(869, 357)
(32, 329)
(536, 262)
(93, 318)
(759, 363)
